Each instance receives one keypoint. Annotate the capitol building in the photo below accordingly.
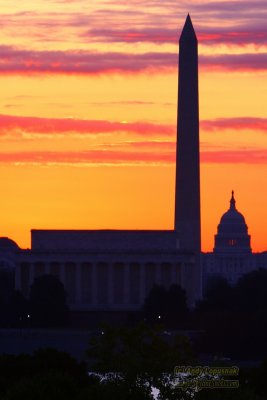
(232, 256)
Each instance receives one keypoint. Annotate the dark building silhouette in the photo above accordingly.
(116, 269)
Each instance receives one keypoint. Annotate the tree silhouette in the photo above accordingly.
(218, 295)
(155, 304)
(251, 293)
(41, 375)
(240, 313)
(7, 283)
(48, 302)
(177, 310)
(18, 309)
(139, 357)
(51, 385)
(167, 307)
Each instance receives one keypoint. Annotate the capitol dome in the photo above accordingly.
(232, 235)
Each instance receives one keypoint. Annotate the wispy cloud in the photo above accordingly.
(231, 9)
(235, 62)
(86, 157)
(232, 36)
(116, 157)
(216, 22)
(238, 123)
(18, 61)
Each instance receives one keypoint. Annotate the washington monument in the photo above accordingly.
(187, 202)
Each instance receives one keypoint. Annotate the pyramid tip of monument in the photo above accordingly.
(188, 29)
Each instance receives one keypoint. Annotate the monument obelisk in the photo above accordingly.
(187, 192)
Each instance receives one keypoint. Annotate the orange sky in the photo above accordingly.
(88, 114)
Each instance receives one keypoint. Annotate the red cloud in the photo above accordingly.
(93, 156)
(61, 126)
(10, 123)
(240, 123)
(233, 36)
(248, 156)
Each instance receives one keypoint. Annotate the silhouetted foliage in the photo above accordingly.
(235, 318)
(218, 295)
(167, 307)
(49, 386)
(138, 356)
(177, 310)
(130, 362)
(14, 310)
(7, 283)
(24, 373)
(48, 306)
(18, 310)
(155, 304)
(114, 389)
(257, 379)
(242, 393)
(51, 375)
(251, 293)
(252, 386)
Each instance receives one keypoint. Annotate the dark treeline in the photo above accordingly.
(231, 321)
(234, 319)
(140, 359)
(228, 322)
(46, 306)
